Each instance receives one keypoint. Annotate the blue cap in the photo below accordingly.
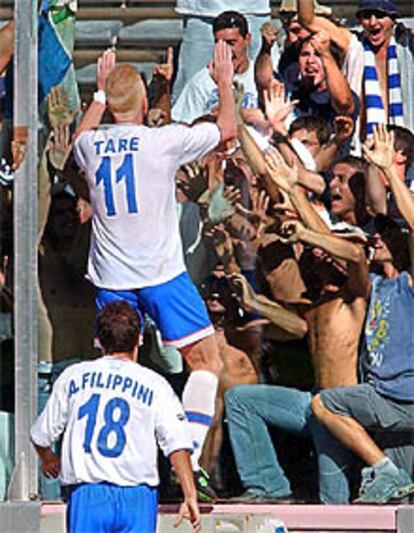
(386, 6)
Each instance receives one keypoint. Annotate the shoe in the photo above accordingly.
(381, 487)
(205, 492)
(258, 498)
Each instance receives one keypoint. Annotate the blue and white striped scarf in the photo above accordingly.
(375, 113)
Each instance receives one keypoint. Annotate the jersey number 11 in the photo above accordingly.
(124, 172)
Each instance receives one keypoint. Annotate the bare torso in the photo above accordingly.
(282, 272)
(238, 367)
(335, 320)
(381, 62)
(335, 326)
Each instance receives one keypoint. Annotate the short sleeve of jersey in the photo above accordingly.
(197, 141)
(171, 425)
(52, 421)
(79, 148)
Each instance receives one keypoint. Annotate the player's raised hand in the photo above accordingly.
(105, 65)
(166, 70)
(221, 68)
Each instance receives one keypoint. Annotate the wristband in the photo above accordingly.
(99, 96)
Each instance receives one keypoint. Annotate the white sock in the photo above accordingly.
(199, 398)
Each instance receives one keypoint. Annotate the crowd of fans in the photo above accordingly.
(298, 235)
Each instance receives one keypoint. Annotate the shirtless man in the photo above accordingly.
(383, 47)
(385, 399)
(334, 320)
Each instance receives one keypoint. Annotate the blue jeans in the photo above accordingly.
(250, 409)
(196, 48)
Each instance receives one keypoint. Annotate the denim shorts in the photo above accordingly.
(371, 409)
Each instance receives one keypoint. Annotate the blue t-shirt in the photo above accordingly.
(387, 359)
(318, 103)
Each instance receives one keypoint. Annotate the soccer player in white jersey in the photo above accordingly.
(112, 413)
(136, 252)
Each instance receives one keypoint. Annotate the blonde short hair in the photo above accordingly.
(124, 89)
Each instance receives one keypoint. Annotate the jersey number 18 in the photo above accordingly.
(113, 424)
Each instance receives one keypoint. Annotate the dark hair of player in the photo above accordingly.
(118, 327)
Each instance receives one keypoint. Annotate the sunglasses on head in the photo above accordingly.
(288, 16)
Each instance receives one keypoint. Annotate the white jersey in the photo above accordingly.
(200, 95)
(131, 175)
(212, 8)
(112, 412)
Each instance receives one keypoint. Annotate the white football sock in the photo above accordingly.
(199, 398)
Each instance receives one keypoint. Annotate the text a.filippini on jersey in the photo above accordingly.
(114, 382)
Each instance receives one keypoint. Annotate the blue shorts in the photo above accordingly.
(104, 507)
(175, 306)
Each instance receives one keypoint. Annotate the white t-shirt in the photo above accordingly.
(131, 175)
(200, 95)
(112, 414)
(353, 70)
(212, 8)
(353, 66)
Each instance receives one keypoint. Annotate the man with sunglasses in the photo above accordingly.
(379, 61)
